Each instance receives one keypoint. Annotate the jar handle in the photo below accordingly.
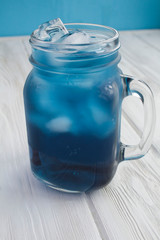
(139, 88)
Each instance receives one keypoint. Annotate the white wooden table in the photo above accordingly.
(127, 209)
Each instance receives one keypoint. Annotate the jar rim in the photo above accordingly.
(113, 38)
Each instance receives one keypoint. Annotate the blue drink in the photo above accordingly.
(72, 104)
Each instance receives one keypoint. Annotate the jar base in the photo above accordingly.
(48, 184)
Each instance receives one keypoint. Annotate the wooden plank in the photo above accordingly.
(28, 209)
(151, 37)
(141, 55)
(129, 207)
(142, 61)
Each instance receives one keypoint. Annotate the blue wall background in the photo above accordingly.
(21, 17)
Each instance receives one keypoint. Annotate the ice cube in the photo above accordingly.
(76, 37)
(59, 124)
(41, 33)
(102, 121)
(99, 114)
(51, 31)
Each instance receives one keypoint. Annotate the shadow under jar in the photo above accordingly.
(73, 100)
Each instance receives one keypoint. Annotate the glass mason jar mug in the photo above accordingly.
(73, 99)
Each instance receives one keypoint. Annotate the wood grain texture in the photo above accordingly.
(29, 210)
(133, 194)
(142, 60)
(128, 208)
